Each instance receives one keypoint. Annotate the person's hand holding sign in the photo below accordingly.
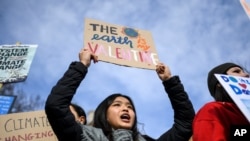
(85, 57)
(163, 71)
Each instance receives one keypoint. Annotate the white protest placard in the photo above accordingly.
(15, 61)
(239, 90)
(120, 45)
(246, 6)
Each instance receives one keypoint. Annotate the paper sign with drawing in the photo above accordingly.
(239, 90)
(120, 45)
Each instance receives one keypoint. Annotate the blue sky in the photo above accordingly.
(191, 37)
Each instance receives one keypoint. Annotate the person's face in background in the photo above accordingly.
(237, 71)
(78, 118)
(120, 114)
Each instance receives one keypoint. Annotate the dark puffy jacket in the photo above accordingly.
(67, 129)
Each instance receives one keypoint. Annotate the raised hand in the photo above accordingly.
(163, 71)
(85, 57)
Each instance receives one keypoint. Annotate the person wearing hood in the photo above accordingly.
(214, 120)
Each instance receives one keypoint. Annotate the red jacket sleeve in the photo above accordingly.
(214, 120)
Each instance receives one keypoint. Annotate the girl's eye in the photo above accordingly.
(237, 71)
(116, 104)
(130, 107)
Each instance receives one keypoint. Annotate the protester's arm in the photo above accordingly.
(182, 106)
(57, 105)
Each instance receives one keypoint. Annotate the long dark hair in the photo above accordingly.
(100, 117)
(80, 111)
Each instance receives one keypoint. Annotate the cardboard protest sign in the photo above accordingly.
(239, 90)
(246, 6)
(6, 103)
(120, 45)
(15, 61)
(27, 126)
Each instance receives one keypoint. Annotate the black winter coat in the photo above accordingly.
(67, 129)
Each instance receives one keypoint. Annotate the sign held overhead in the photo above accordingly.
(120, 45)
